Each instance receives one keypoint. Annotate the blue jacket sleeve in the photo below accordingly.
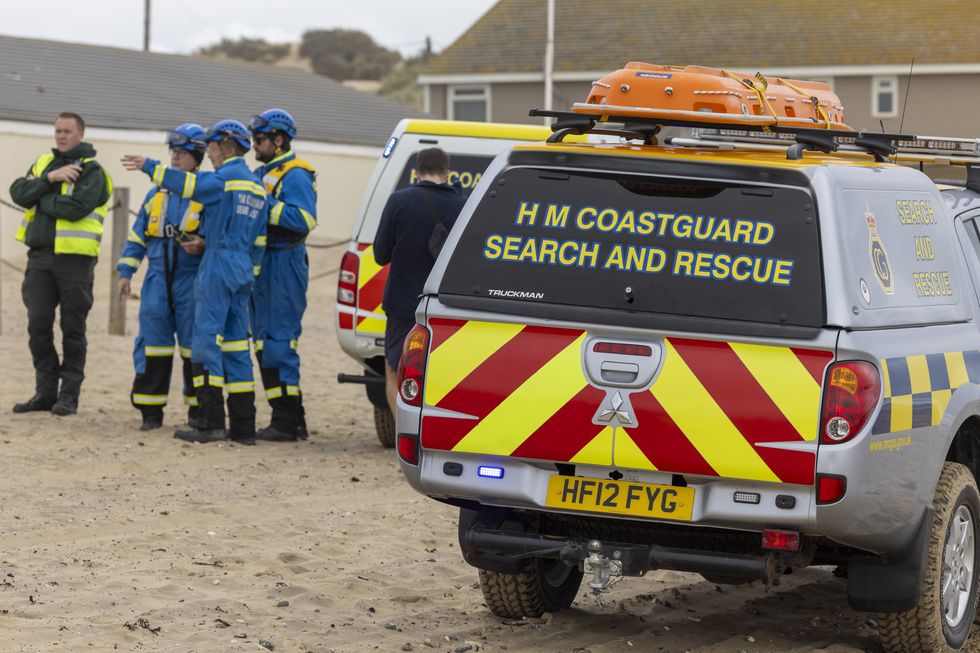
(135, 248)
(205, 187)
(384, 239)
(297, 209)
(258, 250)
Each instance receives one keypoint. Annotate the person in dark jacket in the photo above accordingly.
(66, 194)
(402, 239)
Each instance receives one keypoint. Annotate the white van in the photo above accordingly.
(360, 285)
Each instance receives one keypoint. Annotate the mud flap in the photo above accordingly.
(891, 583)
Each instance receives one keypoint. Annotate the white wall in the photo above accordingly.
(342, 174)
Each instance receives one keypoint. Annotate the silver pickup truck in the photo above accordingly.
(719, 356)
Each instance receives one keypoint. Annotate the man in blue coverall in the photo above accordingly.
(279, 299)
(163, 234)
(234, 228)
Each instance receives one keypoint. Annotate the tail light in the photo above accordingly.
(779, 540)
(830, 488)
(347, 281)
(408, 448)
(411, 367)
(851, 395)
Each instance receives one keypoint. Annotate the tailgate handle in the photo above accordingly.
(613, 372)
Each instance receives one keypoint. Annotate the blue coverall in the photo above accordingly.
(166, 298)
(234, 230)
(279, 299)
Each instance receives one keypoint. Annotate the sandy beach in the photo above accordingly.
(118, 540)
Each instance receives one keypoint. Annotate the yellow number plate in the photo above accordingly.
(620, 497)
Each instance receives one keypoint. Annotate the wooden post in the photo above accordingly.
(120, 228)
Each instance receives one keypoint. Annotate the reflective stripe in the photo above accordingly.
(261, 241)
(275, 213)
(130, 261)
(310, 220)
(256, 270)
(292, 344)
(24, 223)
(218, 339)
(259, 344)
(149, 400)
(190, 400)
(216, 381)
(245, 186)
(234, 345)
(185, 352)
(134, 238)
(240, 387)
(158, 174)
(292, 390)
(154, 350)
(75, 233)
(190, 182)
(273, 393)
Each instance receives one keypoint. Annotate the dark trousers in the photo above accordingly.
(65, 282)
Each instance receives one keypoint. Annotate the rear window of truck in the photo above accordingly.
(641, 243)
(465, 171)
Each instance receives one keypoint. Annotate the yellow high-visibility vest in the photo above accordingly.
(156, 211)
(81, 236)
(273, 178)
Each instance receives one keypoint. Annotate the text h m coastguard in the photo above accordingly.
(163, 234)
(234, 229)
(279, 299)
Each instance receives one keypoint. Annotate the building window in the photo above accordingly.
(884, 97)
(469, 103)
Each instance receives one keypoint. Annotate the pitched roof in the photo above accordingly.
(112, 87)
(601, 35)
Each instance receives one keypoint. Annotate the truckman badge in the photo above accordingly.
(879, 257)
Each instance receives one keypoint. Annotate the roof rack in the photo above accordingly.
(895, 148)
(880, 146)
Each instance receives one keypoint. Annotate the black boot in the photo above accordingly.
(241, 417)
(152, 419)
(284, 425)
(211, 414)
(66, 405)
(37, 402)
(194, 419)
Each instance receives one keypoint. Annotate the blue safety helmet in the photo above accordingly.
(273, 120)
(189, 136)
(224, 129)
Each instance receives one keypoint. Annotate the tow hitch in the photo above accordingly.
(602, 568)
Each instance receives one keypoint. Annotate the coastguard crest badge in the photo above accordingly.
(879, 257)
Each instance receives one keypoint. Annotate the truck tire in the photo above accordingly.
(384, 426)
(544, 586)
(942, 619)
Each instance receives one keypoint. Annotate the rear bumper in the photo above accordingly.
(503, 550)
(524, 485)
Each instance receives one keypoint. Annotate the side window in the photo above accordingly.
(469, 103)
(884, 97)
(971, 249)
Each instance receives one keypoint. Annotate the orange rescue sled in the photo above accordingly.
(712, 95)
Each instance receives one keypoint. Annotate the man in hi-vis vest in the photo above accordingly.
(66, 194)
(279, 299)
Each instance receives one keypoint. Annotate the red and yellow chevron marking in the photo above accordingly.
(520, 391)
(371, 279)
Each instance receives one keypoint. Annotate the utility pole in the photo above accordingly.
(549, 59)
(146, 25)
